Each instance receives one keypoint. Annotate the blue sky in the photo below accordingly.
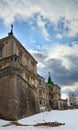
(49, 30)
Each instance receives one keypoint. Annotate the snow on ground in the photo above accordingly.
(69, 117)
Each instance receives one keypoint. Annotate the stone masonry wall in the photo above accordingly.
(7, 97)
(17, 98)
(27, 99)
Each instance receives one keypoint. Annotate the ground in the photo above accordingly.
(69, 117)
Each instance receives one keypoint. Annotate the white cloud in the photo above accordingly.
(67, 89)
(59, 35)
(41, 24)
(64, 96)
(72, 88)
(68, 73)
(60, 51)
(17, 10)
(73, 26)
(57, 51)
(50, 9)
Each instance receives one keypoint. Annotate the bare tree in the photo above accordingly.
(72, 98)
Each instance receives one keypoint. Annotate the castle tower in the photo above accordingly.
(55, 93)
(18, 80)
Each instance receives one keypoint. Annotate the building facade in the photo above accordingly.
(52, 100)
(43, 94)
(18, 80)
(22, 91)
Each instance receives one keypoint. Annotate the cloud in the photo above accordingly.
(41, 23)
(59, 35)
(62, 62)
(63, 52)
(53, 10)
(40, 57)
(60, 73)
(69, 89)
(73, 28)
(17, 10)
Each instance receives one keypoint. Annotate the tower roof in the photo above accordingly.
(49, 80)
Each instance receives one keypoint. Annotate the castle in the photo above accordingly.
(22, 91)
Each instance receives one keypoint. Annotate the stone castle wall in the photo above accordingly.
(27, 99)
(17, 98)
(22, 91)
(7, 97)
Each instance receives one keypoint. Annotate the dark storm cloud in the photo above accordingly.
(59, 73)
(73, 60)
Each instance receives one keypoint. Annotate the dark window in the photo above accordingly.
(44, 103)
(40, 102)
(0, 66)
(51, 89)
(15, 58)
(39, 82)
(11, 58)
(0, 51)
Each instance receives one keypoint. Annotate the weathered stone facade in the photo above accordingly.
(50, 96)
(18, 77)
(22, 91)
(43, 94)
(55, 98)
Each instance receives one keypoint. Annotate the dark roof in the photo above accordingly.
(49, 82)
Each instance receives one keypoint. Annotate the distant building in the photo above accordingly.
(50, 95)
(43, 94)
(22, 91)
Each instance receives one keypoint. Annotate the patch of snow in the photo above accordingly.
(69, 117)
(43, 108)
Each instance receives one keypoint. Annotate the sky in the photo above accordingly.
(49, 30)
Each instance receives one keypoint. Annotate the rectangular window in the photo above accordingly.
(40, 93)
(39, 82)
(40, 102)
(0, 51)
